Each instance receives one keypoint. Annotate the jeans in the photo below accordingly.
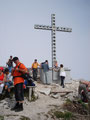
(62, 81)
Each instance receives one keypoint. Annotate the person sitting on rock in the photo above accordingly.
(7, 81)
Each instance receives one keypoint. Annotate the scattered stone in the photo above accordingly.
(45, 91)
(56, 96)
(42, 105)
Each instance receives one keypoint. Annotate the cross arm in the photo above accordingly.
(63, 29)
(43, 27)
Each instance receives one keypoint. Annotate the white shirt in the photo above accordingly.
(62, 72)
(9, 77)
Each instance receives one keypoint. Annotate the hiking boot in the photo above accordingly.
(20, 108)
(15, 107)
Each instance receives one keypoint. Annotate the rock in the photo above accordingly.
(45, 91)
(62, 94)
(56, 96)
(36, 95)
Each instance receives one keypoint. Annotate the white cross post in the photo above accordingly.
(53, 29)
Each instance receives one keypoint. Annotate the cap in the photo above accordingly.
(15, 58)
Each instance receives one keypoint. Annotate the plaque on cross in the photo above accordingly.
(53, 29)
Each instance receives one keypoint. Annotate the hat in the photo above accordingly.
(15, 58)
(1, 68)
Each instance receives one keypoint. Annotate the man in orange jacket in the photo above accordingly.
(17, 71)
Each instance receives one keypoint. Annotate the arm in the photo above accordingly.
(56, 69)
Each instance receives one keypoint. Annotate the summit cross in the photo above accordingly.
(53, 29)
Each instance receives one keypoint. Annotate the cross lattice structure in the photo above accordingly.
(53, 29)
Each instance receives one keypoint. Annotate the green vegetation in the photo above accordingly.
(85, 106)
(1, 117)
(65, 115)
(68, 101)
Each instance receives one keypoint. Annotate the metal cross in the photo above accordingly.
(53, 29)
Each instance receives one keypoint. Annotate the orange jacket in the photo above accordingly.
(18, 80)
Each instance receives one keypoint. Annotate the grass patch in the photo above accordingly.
(65, 115)
(76, 106)
(1, 117)
(85, 106)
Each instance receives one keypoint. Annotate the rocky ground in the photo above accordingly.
(49, 97)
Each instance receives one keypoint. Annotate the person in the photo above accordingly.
(17, 72)
(83, 90)
(62, 75)
(34, 69)
(10, 64)
(7, 82)
(55, 67)
(1, 80)
(45, 67)
(55, 64)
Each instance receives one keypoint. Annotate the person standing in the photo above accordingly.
(10, 64)
(45, 67)
(18, 83)
(62, 75)
(34, 69)
(55, 64)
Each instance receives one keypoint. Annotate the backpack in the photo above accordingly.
(28, 79)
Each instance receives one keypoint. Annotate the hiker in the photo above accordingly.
(7, 82)
(1, 80)
(62, 75)
(45, 67)
(17, 72)
(55, 64)
(10, 64)
(55, 67)
(35, 69)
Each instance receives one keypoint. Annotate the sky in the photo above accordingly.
(19, 38)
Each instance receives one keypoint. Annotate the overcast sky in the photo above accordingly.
(19, 38)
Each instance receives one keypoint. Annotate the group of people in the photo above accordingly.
(45, 67)
(18, 81)
(17, 72)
